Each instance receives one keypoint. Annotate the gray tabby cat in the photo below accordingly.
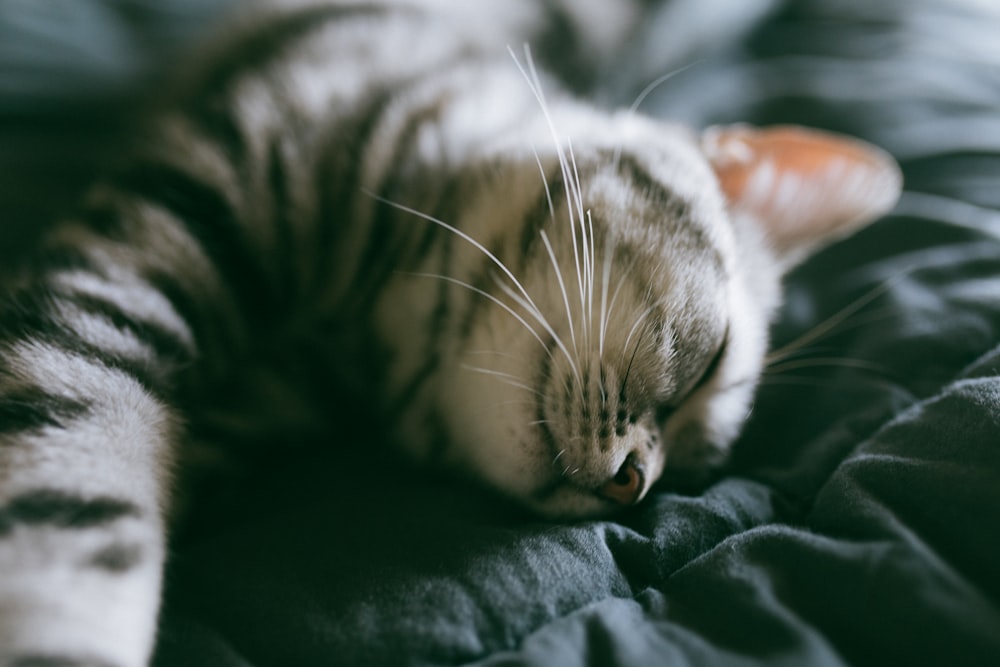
(556, 300)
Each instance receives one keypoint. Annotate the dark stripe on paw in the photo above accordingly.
(49, 507)
(166, 344)
(56, 661)
(33, 316)
(32, 409)
(116, 558)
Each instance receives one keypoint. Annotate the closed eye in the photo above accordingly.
(713, 365)
(664, 412)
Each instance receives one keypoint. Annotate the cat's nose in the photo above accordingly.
(626, 486)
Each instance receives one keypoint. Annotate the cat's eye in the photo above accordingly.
(713, 365)
(663, 412)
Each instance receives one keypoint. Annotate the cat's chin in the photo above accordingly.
(570, 503)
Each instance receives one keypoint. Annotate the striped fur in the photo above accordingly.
(540, 294)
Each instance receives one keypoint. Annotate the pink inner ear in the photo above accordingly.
(802, 186)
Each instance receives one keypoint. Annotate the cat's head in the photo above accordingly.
(638, 330)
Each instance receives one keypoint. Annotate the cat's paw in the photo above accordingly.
(79, 583)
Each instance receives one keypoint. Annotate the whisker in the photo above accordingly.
(831, 323)
(545, 183)
(593, 265)
(462, 235)
(635, 326)
(659, 81)
(503, 404)
(605, 282)
(551, 252)
(548, 329)
(628, 370)
(819, 362)
(618, 289)
(641, 97)
(562, 287)
(492, 353)
(487, 295)
(491, 371)
(535, 86)
(506, 378)
(484, 410)
(753, 379)
(821, 383)
(586, 242)
(795, 381)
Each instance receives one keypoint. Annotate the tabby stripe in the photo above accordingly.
(285, 250)
(56, 661)
(481, 280)
(26, 317)
(545, 378)
(211, 220)
(31, 409)
(189, 308)
(538, 215)
(672, 206)
(272, 38)
(536, 218)
(211, 107)
(438, 442)
(153, 380)
(447, 209)
(167, 345)
(106, 221)
(214, 117)
(411, 389)
(390, 232)
(338, 178)
(116, 558)
(436, 338)
(59, 509)
(53, 259)
(668, 201)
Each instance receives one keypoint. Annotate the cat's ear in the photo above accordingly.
(804, 187)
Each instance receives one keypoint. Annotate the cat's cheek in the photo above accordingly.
(488, 409)
(699, 436)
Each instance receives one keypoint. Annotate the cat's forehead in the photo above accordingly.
(664, 201)
(668, 221)
(671, 150)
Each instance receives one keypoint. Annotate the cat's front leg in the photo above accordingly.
(86, 440)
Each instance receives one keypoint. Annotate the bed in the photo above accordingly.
(858, 522)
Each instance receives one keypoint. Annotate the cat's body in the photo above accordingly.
(550, 298)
